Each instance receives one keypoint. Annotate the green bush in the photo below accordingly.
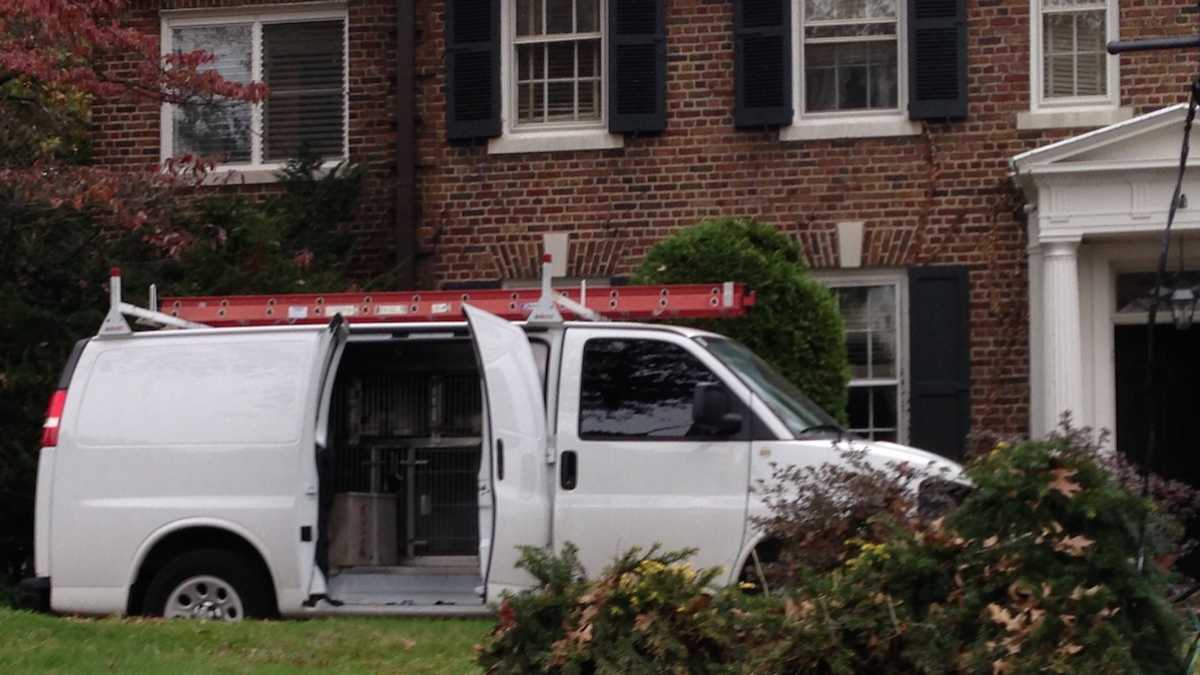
(1034, 572)
(795, 325)
(650, 612)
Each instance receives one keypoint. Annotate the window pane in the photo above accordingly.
(1134, 289)
(559, 16)
(560, 101)
(1091, 32)
(561, 60)
(882, 301)
(820, 78)
(850, 76)
(874, 412)
(1059, 75)
(531, 62)
(859, 409)
(532, 102)
(303, 66)
(1072, 4)
(1092, 75)
(883, 74)
(638, 389)
(832, 10)
(589, 100)
(883, 402)
(852, 302)
(589, 58)
(869, 319)
(857, 346)
(220, 128)
(529, 17)
(587, 16)
(849, 30)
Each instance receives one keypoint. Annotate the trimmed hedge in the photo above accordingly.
(795, 325)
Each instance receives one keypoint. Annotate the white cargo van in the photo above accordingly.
(396, 468)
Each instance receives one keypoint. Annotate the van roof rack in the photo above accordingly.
(544, 306)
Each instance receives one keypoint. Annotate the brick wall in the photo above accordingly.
(941, 197)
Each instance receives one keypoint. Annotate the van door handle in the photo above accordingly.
(568, 470)
(499, 459)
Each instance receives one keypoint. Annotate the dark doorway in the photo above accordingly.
(1177, 402)
(1177, 398)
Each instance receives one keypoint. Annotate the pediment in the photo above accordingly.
(1152, 139)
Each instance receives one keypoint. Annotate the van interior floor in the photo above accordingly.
(401, 491)
(417, 585)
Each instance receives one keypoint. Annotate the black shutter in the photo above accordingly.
(937, 59)
(472, 69)
(637, 66)
(762, 63)
(940, 359)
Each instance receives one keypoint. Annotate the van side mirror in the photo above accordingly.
(712, 410)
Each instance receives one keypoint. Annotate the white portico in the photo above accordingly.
(1097, 206)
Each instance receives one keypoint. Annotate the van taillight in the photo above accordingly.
(54, 413)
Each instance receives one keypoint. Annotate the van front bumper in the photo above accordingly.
(34, 594)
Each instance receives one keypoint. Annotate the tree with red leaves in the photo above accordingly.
(52, 56)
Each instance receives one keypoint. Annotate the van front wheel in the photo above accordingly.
(210, 585)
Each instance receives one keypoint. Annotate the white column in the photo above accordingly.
(1037, 343)
(1062, 356)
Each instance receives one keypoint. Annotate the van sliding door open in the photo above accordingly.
(312, 513)
(515, 437)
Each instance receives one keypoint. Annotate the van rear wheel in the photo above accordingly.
(210, 585)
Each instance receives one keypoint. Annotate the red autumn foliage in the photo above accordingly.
(52, 65)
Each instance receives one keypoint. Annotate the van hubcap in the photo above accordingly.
(204, 597)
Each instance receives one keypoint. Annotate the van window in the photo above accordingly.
(639, 390)
(244, 393)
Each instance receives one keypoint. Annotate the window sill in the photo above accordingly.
(1072, 118)
(257, 175)
(555, 141)
(849, 127)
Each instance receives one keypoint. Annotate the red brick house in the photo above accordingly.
(879, 133)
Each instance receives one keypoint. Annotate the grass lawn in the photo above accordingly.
(48, 644)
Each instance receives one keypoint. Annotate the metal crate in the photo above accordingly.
(415, 435)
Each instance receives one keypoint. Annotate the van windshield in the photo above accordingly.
(801, 416)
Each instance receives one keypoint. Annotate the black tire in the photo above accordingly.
(230, 568)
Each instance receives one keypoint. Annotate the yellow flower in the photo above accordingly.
(649, 567)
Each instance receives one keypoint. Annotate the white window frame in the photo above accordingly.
(850, 123)
(899, 280)
(255, 171)
(548, 136)
(1080, 111)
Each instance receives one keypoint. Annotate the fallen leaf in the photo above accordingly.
(1000, 667)
(1073, 546)
(990, 541)
(1004, 617)
(1070, 649)
(1062, 482)
(407, 644)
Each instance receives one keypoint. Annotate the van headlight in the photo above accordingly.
(937, 496)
